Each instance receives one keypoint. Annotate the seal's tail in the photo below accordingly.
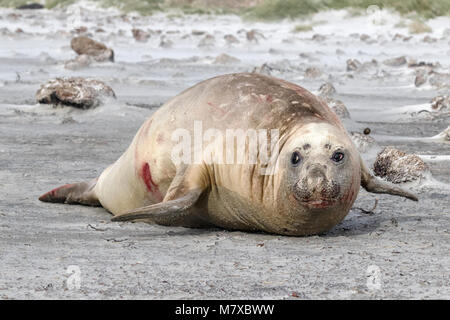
(74, 193)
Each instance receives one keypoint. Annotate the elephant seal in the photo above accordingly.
(308, 187)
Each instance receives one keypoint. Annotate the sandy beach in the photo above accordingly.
(42, 146)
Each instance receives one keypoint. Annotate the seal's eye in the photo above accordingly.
(296, 158)
(337, 156)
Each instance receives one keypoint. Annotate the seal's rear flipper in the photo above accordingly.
(375, 185)
(172, 212)
(75, 193)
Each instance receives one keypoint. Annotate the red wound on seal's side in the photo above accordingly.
(151, 185)
(147, 177)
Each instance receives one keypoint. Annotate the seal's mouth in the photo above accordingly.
(318, 203)
(321, 195)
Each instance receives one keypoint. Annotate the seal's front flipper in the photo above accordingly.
(375, 185)
(75, 193)
(172, 213)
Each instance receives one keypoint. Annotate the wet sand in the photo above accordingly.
(42, 147)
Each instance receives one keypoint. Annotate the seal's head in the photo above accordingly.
(321, 176)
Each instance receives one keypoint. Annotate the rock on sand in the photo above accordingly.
(397, 166)
(327, 89)
(338, 107)
(395, 62)
(225, 59)
(76, 92)
(140, 35)
(440, 103)
(98, 51)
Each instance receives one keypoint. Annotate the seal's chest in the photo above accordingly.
(231, 210)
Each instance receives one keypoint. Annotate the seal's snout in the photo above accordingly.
(316, 190)
(316, 179)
